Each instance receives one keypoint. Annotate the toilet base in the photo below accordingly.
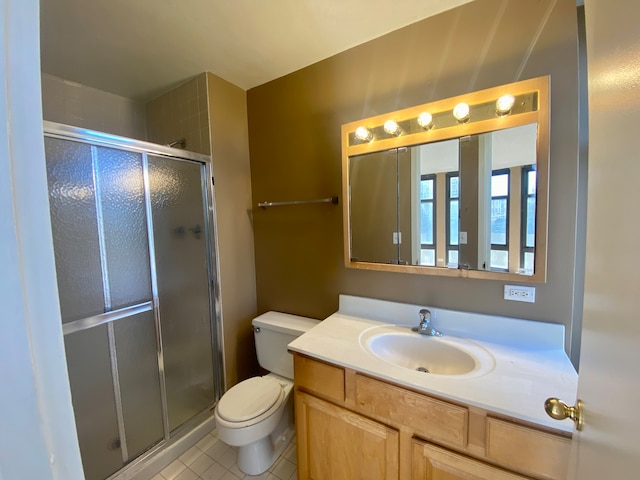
(257, 457)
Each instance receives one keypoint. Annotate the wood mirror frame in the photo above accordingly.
(531, 106)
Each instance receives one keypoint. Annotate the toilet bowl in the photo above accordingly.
(256, 415)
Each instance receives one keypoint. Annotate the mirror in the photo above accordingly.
(457, 197)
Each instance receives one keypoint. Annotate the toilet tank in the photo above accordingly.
(273, 331)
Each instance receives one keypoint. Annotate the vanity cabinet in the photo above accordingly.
(354, 426)
(342, 444)
(430, 462)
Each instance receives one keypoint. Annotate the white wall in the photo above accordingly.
(75, 104)
(37, 434)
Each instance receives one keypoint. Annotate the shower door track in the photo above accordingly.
(92, 137)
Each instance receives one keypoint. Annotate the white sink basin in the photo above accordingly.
(401, 347)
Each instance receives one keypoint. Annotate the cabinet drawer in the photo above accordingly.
(429, 418)
(526, 450)
(319, 378)
(430, 462)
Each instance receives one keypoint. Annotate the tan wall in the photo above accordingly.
(294, 131)
(231, 170)
(404, 205)
(181, 113)
(469, 209)
(373, 189)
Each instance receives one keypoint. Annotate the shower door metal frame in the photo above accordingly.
(96, 139)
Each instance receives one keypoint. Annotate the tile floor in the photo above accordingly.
(211, 459)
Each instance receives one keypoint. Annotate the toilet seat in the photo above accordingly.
(250, 401)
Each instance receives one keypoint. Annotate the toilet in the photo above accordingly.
(256, 415)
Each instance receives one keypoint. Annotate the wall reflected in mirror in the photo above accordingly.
(464, 203)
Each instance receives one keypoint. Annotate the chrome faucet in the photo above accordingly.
(425, 327)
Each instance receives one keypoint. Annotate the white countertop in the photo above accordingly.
(529, 366)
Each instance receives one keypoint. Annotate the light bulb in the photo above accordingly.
(461, 112)
(392, 127)
(362, 133)
(425, 120)
(504, 104)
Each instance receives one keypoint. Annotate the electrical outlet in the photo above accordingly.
(519, 293)
(397, 238)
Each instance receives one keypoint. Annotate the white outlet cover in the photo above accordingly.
(519, 293)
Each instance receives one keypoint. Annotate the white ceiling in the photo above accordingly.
(141, 48)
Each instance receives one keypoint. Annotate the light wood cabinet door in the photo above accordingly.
(336, 444)
(434, 463)
(527, 450)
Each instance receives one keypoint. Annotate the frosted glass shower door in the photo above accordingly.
(135, 263)
(99, 225)
(181, 248)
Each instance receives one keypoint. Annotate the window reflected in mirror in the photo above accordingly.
(451, 199)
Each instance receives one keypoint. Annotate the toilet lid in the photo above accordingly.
(249, 399)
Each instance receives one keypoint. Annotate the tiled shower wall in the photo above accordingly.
(181, 113)
(75, 104)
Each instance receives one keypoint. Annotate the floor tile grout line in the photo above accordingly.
(289, 466)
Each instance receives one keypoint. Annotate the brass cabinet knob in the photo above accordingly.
(559, 410)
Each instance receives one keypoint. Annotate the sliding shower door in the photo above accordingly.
(183, 285)
(135, 268)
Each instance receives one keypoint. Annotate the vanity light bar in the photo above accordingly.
(461, 113)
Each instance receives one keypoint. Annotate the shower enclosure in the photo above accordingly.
(133, 230)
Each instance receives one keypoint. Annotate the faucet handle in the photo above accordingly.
(424, 328)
